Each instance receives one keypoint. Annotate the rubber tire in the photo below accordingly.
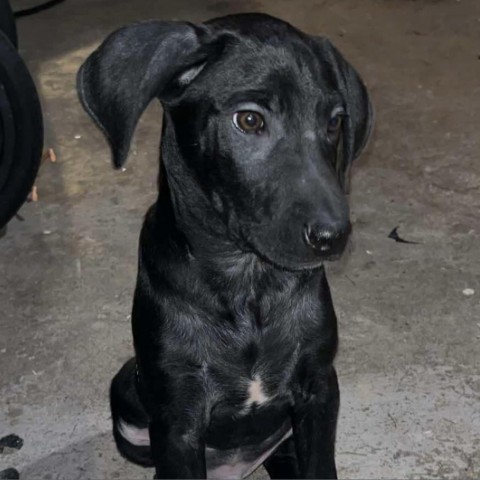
(7, 22)
(21, 131)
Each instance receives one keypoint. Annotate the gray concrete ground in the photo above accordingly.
(409, 357)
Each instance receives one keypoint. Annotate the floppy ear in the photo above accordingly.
(131, 67)
(357, 125)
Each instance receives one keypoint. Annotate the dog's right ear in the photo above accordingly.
(134, 65)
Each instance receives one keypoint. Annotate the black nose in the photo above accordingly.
(326, 239)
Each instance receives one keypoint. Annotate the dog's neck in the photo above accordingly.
(188, 222)
(204, 232)
(186, 243)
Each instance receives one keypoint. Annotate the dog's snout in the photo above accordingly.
(326, 239)
(320, 237)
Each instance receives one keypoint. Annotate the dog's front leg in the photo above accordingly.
(175, 401)
(177, 453)
(314, 420)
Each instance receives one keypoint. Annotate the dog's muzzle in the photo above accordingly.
(326, 240)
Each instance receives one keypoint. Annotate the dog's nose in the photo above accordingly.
(326, 239)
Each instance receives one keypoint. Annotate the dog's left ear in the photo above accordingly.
(358, 123)
(134, 65)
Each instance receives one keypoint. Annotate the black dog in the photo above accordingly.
(234, 328)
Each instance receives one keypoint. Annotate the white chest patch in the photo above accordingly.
(256, 395)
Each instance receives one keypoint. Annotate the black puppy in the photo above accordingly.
(234, 328)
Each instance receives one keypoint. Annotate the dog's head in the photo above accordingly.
(265, 119)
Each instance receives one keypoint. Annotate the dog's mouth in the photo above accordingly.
(284, 260)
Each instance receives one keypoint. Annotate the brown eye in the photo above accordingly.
(334, 124)
(248, 122)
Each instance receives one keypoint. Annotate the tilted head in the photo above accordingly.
(262, 119)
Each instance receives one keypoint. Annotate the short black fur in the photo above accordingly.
(234, 329)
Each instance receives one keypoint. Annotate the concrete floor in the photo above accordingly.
(409, 357)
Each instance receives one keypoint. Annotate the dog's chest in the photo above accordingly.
(255, 394)
(247, 424)
(253, 374)
(249, 417)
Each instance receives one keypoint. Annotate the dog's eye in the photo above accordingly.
(334, 124)
(248, 122)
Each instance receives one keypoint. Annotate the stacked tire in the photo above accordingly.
(21, 125)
